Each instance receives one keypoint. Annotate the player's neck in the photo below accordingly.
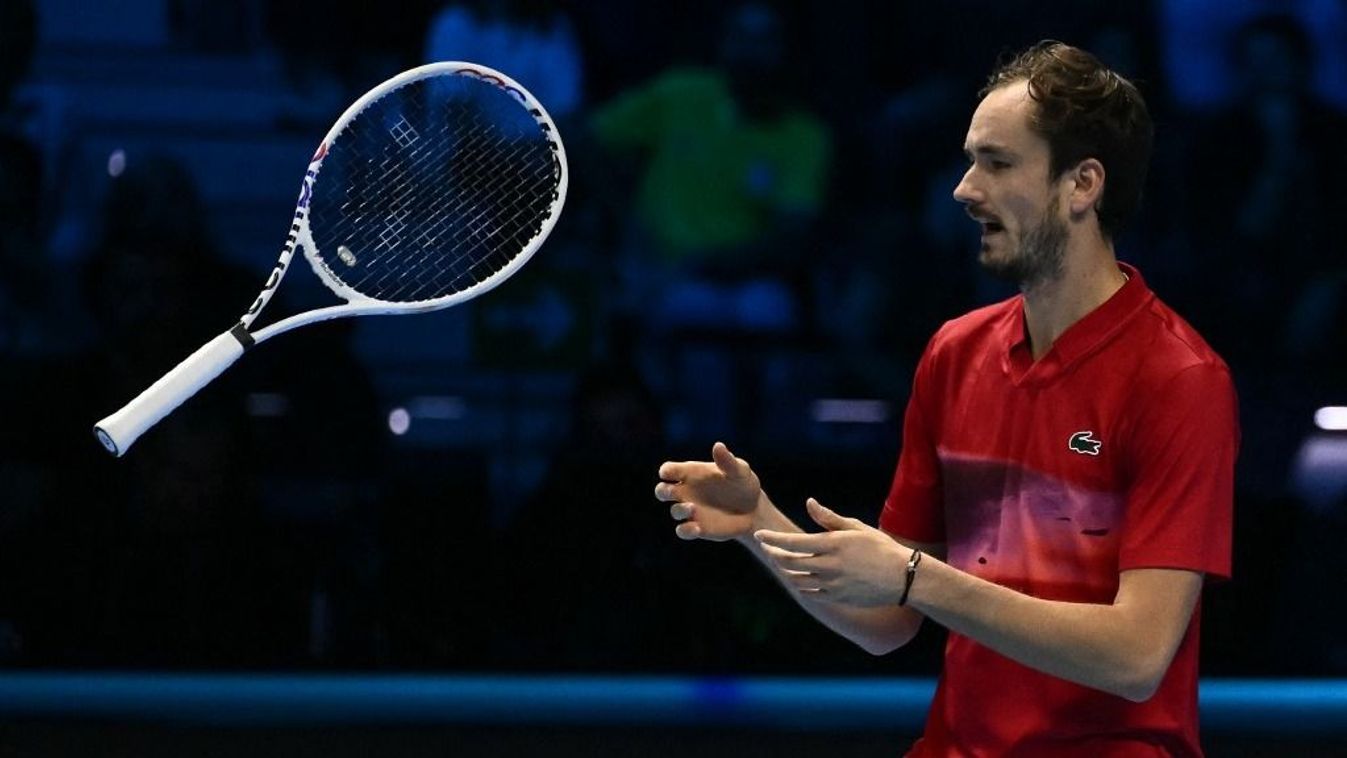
(1088, 278)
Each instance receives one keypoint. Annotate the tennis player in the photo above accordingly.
(1065, 483)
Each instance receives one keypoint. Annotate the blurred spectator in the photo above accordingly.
(1264, 191)
(155, 279)
(23, 478)
(877, 306)
(529, 41)
(18, 24)
(731, 171)
(201, 533)
(628, 43)
(26, 317)
(181, 586)
(221, 28)
(605, 559)
(48, 549)
(334, 52)
(1196, 38)
(1264, 182)
(318, 448)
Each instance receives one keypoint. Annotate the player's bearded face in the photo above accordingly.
(1036, 253)
(1011, 191)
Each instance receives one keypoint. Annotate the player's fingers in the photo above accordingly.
(829, 519)
(805, 582)
(664, 492)
(816, 544)
(673, 471)
(688, 530)
(681, 511)
(788, 560)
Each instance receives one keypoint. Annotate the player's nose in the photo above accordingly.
(967, 191)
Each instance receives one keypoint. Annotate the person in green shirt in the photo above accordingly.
(729, 174)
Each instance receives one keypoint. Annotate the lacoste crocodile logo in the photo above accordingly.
(1084, 443)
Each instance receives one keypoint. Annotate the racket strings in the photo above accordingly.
(433, 189)
(488, 241)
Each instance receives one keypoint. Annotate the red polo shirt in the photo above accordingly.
(1113, 451)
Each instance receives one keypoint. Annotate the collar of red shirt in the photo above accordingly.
(1087, 335)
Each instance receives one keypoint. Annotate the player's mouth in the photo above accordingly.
(991, 225)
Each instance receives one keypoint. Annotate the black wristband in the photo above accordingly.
(911, 574)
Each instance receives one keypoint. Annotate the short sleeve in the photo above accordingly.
(1180, 500)
(915, 508)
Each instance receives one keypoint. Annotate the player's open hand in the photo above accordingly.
(849, 563)
(713, 500)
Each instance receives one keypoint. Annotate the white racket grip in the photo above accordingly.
(120, 430)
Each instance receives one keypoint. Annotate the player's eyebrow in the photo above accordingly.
(989, 149)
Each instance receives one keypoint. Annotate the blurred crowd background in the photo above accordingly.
(758, 241)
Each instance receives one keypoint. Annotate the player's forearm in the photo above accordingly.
(1097, 645)
(876, 630)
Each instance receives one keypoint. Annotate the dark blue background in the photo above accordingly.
(151, 157)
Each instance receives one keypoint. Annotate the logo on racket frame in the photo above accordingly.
(524, 101)
(488, 78)
(306, 189)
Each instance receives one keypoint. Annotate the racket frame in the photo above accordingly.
(118, 431)
(358, 304)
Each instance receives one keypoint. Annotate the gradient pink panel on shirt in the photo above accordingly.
(1030, 531)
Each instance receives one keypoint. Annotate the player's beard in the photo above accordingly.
(1039, 257)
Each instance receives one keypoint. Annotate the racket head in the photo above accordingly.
(431, 189)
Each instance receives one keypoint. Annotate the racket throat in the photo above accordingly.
(240, 333)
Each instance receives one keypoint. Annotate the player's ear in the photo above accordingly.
(1087, 186)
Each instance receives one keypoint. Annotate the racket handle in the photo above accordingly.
(120, 430)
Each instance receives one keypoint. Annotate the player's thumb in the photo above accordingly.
(725, 460)
(825, 517)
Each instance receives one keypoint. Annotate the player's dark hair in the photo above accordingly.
(1086, 110)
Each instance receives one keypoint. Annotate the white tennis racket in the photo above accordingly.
(436, 186)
